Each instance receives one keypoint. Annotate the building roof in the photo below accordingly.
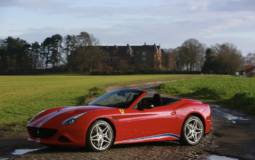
(249, 68)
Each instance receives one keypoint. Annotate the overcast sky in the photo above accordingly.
(165, 22)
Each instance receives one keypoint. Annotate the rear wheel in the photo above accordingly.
(193, 130)
(100, 136)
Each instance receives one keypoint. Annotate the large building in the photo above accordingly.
(133, 58)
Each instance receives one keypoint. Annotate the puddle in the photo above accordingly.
(19, 152)
(216, 157)
(233, 118)
(229, 116)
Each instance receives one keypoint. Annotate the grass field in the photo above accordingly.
(23, 96)
(232, 92)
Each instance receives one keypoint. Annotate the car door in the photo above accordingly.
(136, 123)
(155, 121)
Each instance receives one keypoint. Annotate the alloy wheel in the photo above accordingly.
(193, 130)
(101, 136)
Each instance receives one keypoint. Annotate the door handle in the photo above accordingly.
(173, 113)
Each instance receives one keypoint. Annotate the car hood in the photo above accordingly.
(62, 113)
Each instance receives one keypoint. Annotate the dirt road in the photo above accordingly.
(233, 137)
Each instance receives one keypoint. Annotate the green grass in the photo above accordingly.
(233, 92)
(23, 96)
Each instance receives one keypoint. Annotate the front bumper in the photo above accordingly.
(65, 136)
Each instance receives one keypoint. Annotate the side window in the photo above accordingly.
(154, 101)
(145, 103)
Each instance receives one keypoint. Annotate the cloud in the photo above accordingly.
(233, 5)
(129, 21)
(8, 3)
(31, 4)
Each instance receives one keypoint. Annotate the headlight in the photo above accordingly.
(72, 119)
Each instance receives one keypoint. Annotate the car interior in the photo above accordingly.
(155, 100)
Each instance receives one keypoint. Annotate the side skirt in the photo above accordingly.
(160, 137)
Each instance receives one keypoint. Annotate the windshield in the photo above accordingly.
(119, 99)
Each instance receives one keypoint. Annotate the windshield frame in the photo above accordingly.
(125, 105)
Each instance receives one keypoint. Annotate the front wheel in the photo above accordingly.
(193, 130)
(100, 136)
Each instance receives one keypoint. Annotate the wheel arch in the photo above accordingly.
(197, 114)
(111, 123)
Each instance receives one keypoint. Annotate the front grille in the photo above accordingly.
(41, 132)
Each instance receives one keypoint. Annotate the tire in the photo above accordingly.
(100, 136)
(192, 131)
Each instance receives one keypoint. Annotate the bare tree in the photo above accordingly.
(69, 44)
(35, 52)
(56, 43)
(84, 39)
(46, 51)
(191, 55)
(87, 59)
(228, 58)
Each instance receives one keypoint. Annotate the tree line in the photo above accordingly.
(73, 53)
(19, 56)
(218, 59)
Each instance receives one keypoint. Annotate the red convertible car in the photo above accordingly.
(122, 116)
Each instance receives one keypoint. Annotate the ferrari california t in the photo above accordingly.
(121, 117)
